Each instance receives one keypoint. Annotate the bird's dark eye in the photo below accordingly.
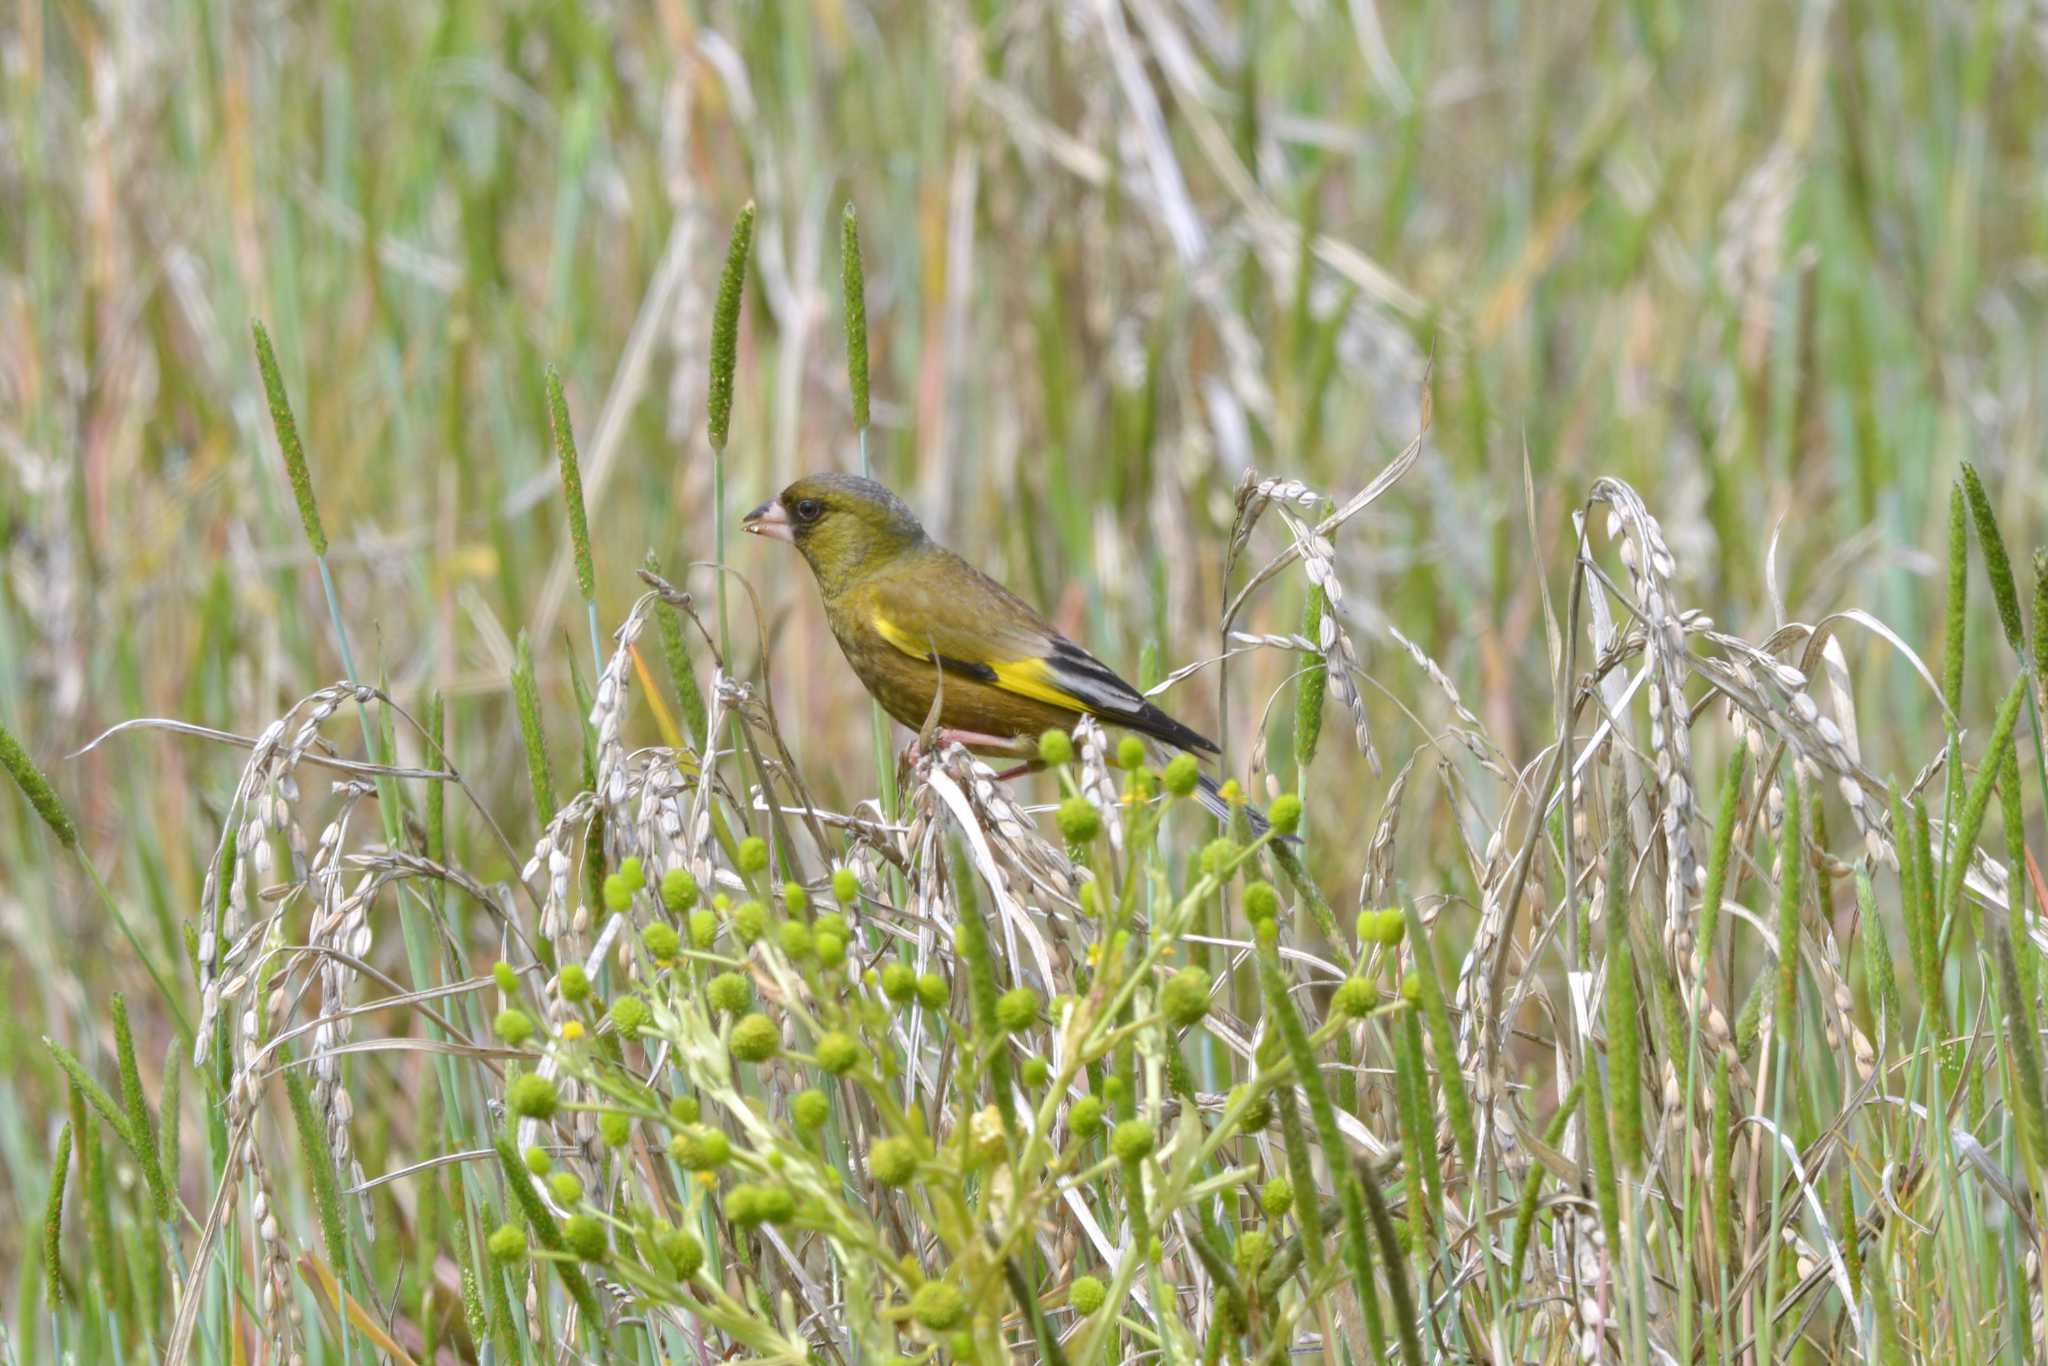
(808, 510)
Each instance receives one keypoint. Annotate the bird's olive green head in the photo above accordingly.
(845, 526)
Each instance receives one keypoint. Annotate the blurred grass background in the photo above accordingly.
(1779, 266)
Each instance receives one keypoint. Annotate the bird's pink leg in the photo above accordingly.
(979, 742)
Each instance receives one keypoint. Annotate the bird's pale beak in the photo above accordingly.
(770, 520)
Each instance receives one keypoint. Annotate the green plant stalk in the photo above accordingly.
(1718, 854)
(1532, 1183)
(1357, 1244)
(542, 1221)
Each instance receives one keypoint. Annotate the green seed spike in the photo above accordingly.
(1311, 684)
(526, 696)
(1721, 1143)
(288, 440)
(1442, 1038)
(1997, 565)
(2031, 1108)
(854, 280)
(1717, 855)
(725, 327)
(1532, 1184)
(1877, 959)
(319, 1161)
(1953, 627)
(2041, 623)
(572, 482)
(1624, 1034)
(1978, 801)
(141, 1128)
(668, 620)
(1357, 1245)
(53, 1222)
(37, 789)
(1791, 857)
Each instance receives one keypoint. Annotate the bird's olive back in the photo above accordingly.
(848, 527)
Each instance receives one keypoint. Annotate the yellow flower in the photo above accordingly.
(572, 1030)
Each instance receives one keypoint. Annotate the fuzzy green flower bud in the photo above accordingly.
(1285, 813)
(573, 982)
(1056, 747)
(1016, 1010)
(753, 854)
(729, 992)
(1084, 1117)
(1184, 1000)
(1078, 820)
(508, 1245)
(831, 948)
(899, 982)
(1132, 1140)
(1086, 1294)
(1218, 854)
(679, 890)
(632, 872)
(618, 893)
(513, 1025)
(1257, 1115)
(685, 1109)
(749, 921)
(931, 991)
(614, 1127)
(1253, 1248)
(1261, 902)
(629, 1015)
(684, 1254)
(937, 1305)
(584, 1235)
(742, 1204)
(845, 886)
(537, 1160)
(755, 1038)
(795, 938)
(566, 1187)
(1411, 989)
(1276, 1197)
(795, 899)
(1182, 774)
(700, 1148)
(1130, 752)
(703, 927)
(893, 1161)
(838, 1052)
(1354, 998)
(532, 1096)
(810, 1109)
(662, 940)
(1035, 1072)
(1381, 927)
(508, 980)
(1115, 1089)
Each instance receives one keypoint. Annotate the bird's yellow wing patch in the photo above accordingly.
(1032, 678)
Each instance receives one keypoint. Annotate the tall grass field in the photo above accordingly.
(1585, 464)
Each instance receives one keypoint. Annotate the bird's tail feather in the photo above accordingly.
(1211, 798)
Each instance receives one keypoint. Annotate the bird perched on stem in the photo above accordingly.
(921, 625)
